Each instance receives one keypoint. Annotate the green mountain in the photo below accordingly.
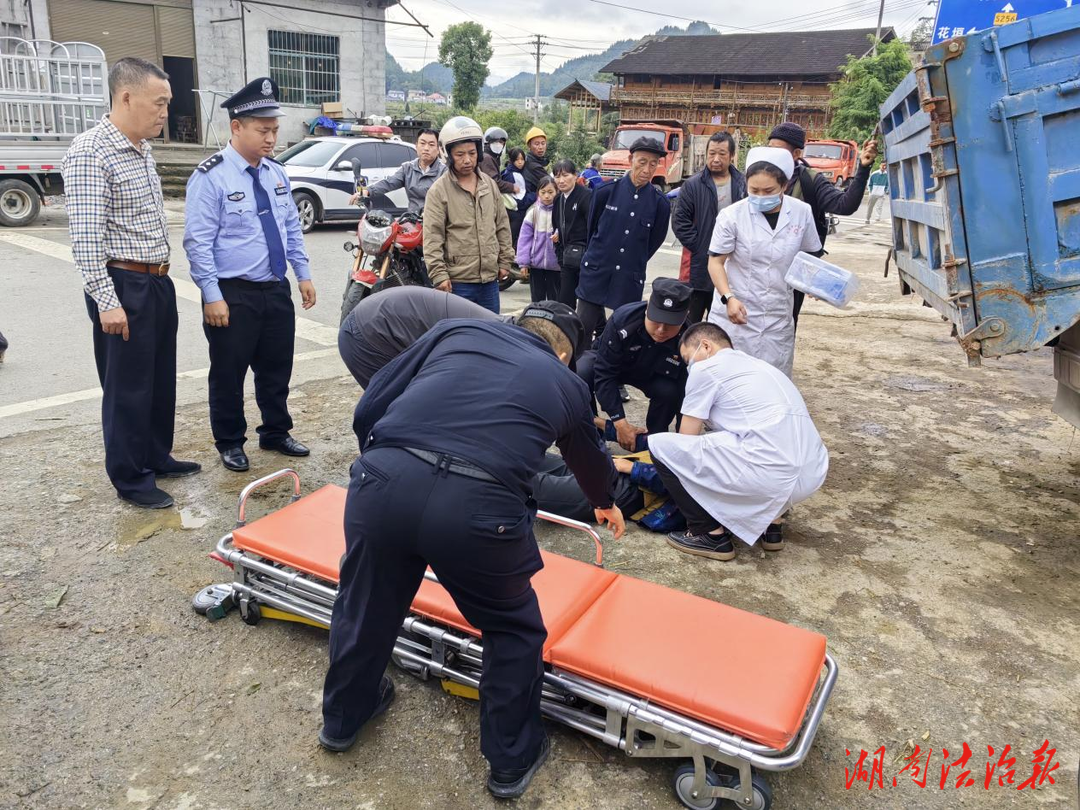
(432, 78)
(435, 78)
(583, 67)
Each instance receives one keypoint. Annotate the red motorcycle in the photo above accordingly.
(390, 253)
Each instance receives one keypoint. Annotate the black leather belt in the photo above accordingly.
(442, 461)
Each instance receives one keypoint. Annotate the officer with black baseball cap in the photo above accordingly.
(563, 317)
(640, 347)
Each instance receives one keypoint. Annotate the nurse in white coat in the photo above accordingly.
(760, 454)
(753, 244)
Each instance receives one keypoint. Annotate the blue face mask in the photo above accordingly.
(763, 204)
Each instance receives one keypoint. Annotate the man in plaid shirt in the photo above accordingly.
(121, 246)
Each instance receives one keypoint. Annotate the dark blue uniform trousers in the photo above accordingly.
(260, 336)
(401, 515)
(138, 379)
(665, 394)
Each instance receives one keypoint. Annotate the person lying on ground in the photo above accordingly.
(639, 493)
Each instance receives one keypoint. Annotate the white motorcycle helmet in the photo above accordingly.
(458, 129)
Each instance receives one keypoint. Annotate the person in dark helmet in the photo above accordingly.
(491, 160)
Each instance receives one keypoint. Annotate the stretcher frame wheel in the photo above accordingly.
(762, 792)
(685, 791)
(684, 788)
(250, 612)
(210, 597)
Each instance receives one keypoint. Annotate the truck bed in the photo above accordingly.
(984, 176)
(21, 157)
(984, 172)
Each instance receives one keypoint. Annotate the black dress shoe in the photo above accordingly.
(177, 469)
(340, 744)
(713, 546)
(150, 499)
(235, 459)
(511, 784)
(624, 395)
(287, 447)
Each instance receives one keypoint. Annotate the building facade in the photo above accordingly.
(317, 51)
(746, 81)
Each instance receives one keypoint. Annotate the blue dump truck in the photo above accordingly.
(982, 141)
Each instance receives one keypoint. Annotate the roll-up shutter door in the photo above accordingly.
(177, 27)
(120, 29)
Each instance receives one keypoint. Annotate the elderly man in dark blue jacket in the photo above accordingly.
(701, 199)
(628, 222)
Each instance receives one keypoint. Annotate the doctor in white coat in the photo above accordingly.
(760, 454)
(753, 244)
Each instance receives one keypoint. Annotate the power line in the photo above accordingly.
(829, 19)
(496, 33)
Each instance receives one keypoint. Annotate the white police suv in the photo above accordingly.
(320, 172)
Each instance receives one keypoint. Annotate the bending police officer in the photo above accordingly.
(640, 347)
(504, 395)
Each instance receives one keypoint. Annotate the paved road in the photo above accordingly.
(48, 378)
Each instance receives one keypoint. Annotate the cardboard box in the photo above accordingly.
(332, 109)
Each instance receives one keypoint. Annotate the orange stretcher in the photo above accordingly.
(652, 671)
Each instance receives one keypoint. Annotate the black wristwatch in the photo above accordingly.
(724, 299)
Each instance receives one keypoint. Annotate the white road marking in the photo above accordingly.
(306, 329)
(670, 251)
(33, 405)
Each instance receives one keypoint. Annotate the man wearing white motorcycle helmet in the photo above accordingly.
(491, 161)
(467, 245)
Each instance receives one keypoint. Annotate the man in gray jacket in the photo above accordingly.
(415, 176)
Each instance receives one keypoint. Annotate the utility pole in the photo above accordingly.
(877, 36)
(536, 89)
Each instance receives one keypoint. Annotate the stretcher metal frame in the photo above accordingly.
(633, 725)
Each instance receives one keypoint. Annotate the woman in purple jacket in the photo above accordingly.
(535, 250)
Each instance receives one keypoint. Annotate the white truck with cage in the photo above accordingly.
(49, 93)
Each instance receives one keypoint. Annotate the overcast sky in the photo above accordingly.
(583, 26)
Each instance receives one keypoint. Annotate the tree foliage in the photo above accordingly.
(465, 48)
(866, 84)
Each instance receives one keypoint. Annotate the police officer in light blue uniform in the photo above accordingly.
(241, 227)
(628, 221)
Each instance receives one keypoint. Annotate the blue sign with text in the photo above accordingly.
(955, 18)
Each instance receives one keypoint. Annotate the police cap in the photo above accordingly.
(646, 144)
(258, 99)
(669, 302)
(563, 317)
